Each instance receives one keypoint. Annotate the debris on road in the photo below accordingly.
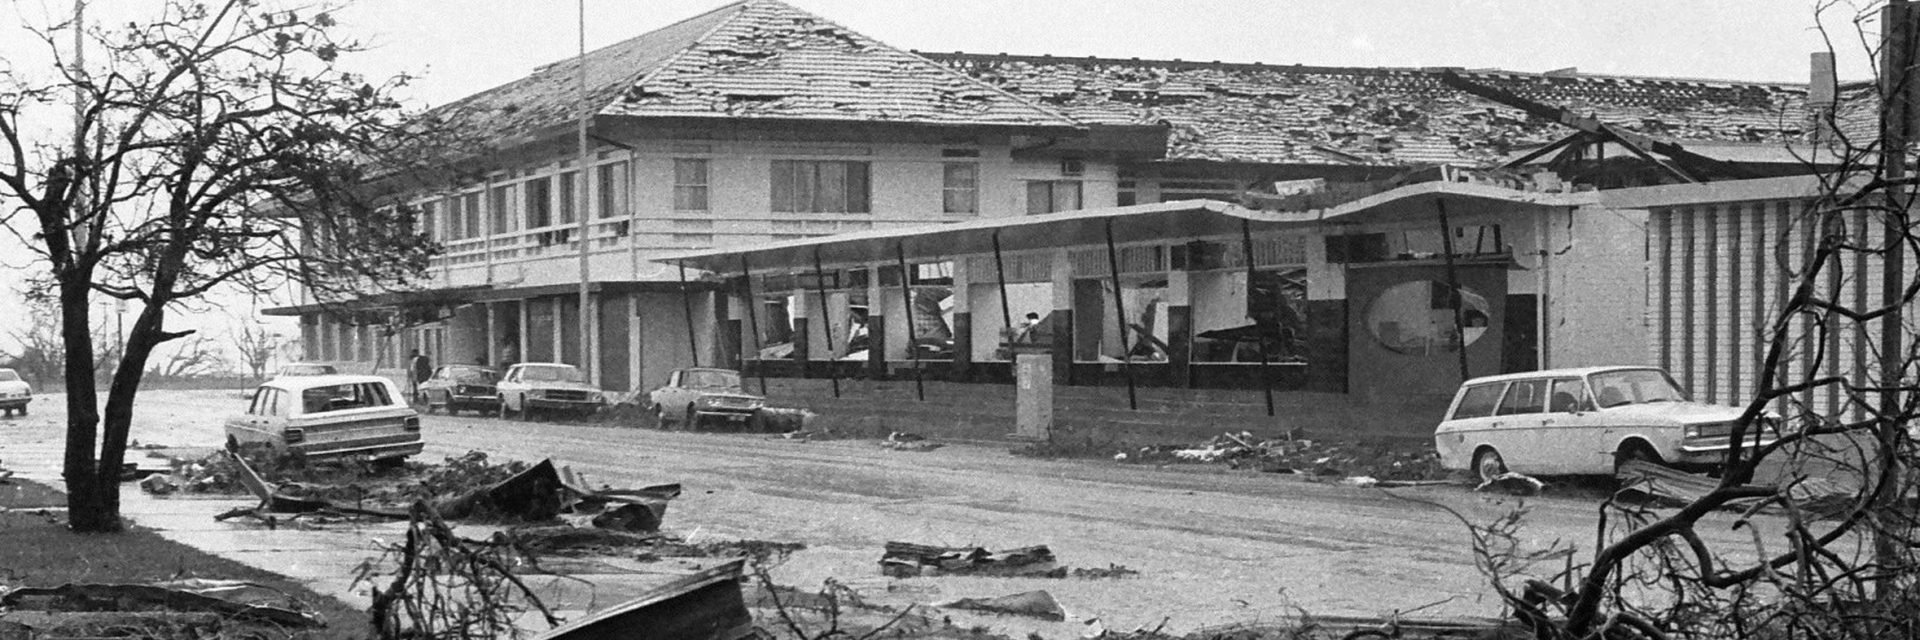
(783, 419)
(1111, 571)
(708, 605)
(1037, 604)
(443, 585)
(1390, 461)
(903, 441)
(760, 551)
(211, 597)
(905, 560)
(1512, 483)
(1818, 498)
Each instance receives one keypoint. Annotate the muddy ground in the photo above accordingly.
(1213, 545)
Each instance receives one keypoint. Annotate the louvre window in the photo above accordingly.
(820, 186)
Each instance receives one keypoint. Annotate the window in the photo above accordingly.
(427, 224)
(690, 185)
(567, 195)
(1048, 196)
(472, 207)
(456, 226)
(1524, 396)
(539, 194)
(1479, 401)
(820, 186)
(613, 190)
(1568, 395)
(497, 201)
(961, 188)
(342, 397)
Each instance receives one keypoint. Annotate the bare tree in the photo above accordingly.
(214, 145)
(1844, 567)
(256, 346)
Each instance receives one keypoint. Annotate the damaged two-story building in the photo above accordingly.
(846, 208)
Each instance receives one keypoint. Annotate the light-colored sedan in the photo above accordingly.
(551, 386)
(695, 395)
(337, 416)
(1585, 421)
(14, 393)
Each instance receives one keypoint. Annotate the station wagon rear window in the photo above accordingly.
(1479, 400)
(341, 397)
(1525, 396)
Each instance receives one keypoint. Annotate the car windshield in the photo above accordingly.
(552, 374)
(1634, 386)
(720, 379)
(307, 370)
(8, 375)
(472, 375)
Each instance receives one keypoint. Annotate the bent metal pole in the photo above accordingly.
(753, 323)
(1120, 314)
(1260, 344)
(913, 335)
(826, 319)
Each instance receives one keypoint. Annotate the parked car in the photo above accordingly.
(337, 416)
(14, 393)
(546, 386)
(305, 369)
(1584, 421)
(461, 387)
(694, 395)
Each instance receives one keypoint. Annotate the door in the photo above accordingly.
(1519, 425)
(1470, 425)
(1573, 438)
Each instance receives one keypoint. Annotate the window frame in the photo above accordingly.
(610, 188)
(949, 189)
(537, 202)
(1539, 402)
(686, 187)
(1053, 190)
(856, 186)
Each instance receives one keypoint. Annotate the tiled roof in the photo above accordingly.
(751, 59)
(1303, 115)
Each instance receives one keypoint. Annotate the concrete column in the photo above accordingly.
(526, 321)
(1061, 322)
(876, 325)
(1180, 327)
(962, 320)
(806, 345)
(592, 339)
(491, 348)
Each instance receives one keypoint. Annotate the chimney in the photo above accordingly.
(1821, 85)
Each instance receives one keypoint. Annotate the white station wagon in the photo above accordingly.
(1584, 421)
(329, 416)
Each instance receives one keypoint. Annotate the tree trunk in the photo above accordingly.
(91, 507)
(118, 425)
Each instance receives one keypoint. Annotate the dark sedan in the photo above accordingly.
(458, 387)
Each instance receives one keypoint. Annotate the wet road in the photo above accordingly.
(1213, 546)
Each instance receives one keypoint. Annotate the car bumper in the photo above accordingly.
(473, 401)
(14, 403)
(550, 403)
(368, 450)
(730, 415)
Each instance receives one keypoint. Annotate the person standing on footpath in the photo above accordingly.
(419, 368)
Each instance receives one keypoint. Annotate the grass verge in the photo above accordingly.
(37, 550)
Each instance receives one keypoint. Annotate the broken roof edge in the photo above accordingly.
(1719, 191)
(1436, 189)
(1305, 68)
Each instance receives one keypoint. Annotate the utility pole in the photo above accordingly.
(582, 178)
(1896, 121)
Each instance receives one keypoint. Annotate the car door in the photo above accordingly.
(672, 398)
(1573, 438)
(1470, 424)
(1519, 424)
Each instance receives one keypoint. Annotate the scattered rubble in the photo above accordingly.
(708, 605)
(905, 560)
(1513, 483)
(1037, 604)
(1382, 462)
(903, 441)
(240, 601)
(760, 551)
(1111, 571)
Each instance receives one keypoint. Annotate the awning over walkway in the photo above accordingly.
(1139, 223)
(455, 296)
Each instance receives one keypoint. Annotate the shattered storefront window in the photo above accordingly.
(1234, 320)
(1417, 318)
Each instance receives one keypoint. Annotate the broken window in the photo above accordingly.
(690, 184)
(567, 203)
(613, 190)
(961, 190)
(820, 186)
(498, 205)
(539, 192)
(1049, 196)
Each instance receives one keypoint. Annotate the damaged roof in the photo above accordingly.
(1344, 115)
(751, 59)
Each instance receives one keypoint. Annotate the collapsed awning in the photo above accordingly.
(1139, 223)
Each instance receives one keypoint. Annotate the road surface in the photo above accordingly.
(1212, 546)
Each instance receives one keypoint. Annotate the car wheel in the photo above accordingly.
(660, 417)
(1636, 450)
(1488, 465)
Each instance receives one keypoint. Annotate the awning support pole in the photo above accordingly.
(1455, 297)
(1266, 366)
(686, 304)
(913, 337)
(1000, 277)
(1120, 314)
(753, 323)
(826, 319)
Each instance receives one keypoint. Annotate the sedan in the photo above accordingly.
(14, 393)
(533, 386)
(695, 395)
(461, 387)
